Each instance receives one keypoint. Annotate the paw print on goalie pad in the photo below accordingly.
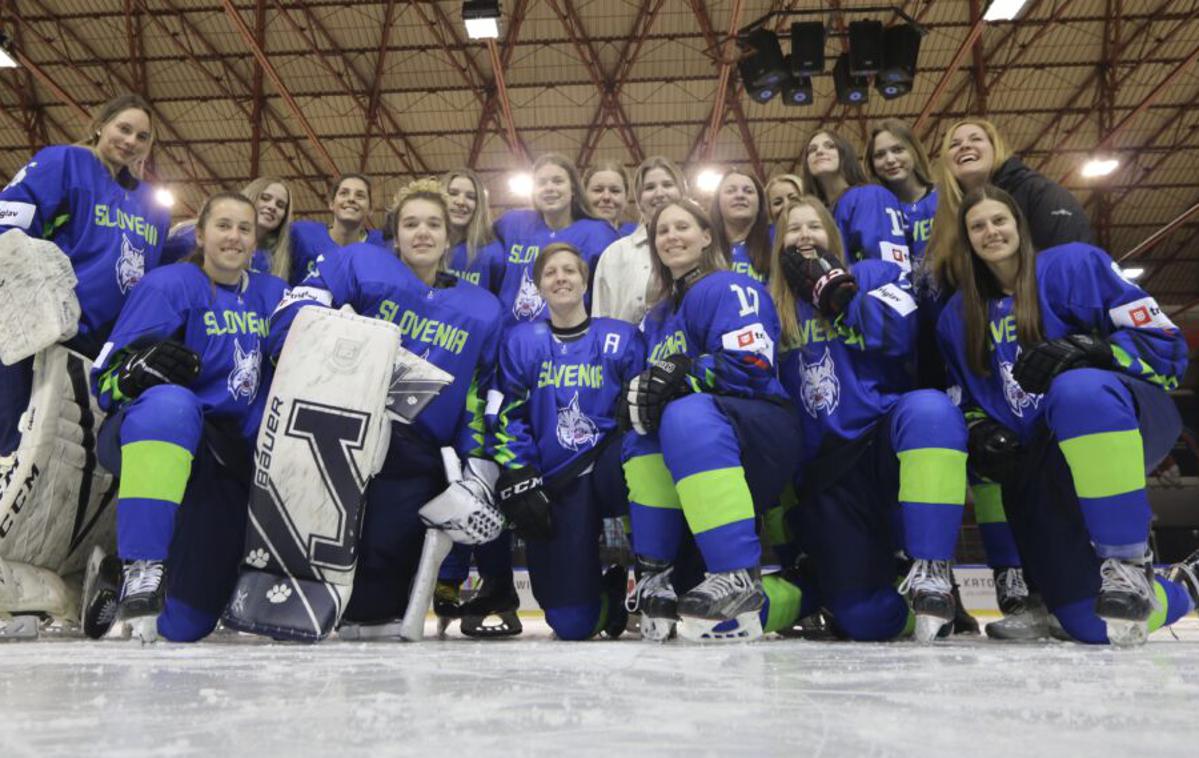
(279, 593)
(258, 558)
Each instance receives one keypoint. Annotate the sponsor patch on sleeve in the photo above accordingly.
(895, 297)
(298, 294)
(897, 254)
(750, 339)
(1141, 314)
(17, 214)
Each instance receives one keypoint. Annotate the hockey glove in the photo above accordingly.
(822, 281)
(648, 393)
(1037, 366)
(993, 449)
(166, 362)
(523, 501)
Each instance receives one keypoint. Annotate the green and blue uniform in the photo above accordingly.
(310, 240)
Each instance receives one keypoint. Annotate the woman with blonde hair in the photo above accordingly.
(475, 254)
(624, 281)
(780, 190)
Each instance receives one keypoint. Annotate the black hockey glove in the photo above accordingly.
(1037, 366)
(648, 393)
(993, 449)
(822, 281)
(522, 499)
(166, 362)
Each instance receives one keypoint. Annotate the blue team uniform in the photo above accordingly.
(740, 263)
(522, 234)
(185, 452)
(1079, 494)
(559, 400)
(310, 240)
(626, 229)
(112, 231)
(729, 449)
(871, 222)
(886, 464)
(182, 241)
(918, 217)
(454, 325)
(486, 270)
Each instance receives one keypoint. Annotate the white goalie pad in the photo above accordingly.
(38, 306)
(56, 500)
(465, 510)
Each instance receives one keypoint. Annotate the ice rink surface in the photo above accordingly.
(236, 695)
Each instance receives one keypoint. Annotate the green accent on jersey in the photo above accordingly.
(932, 475)
(909, 626)
(650, 483)
(154, 470)
(1106, 463)
(988, 503)
(1157, 618)
(504, 456)
(476, 406)
(782, 603)
(715, 498)
(1126, 360)
(55, 224)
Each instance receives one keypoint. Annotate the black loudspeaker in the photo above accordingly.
(901, 46)
(865, 47)
(807, 48)
(765, 66)
(798, 91)
(851, 90)
(762, 94)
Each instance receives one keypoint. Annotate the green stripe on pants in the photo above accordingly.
(714, 498)
(154, 470)
(1106, 463)
(932, 475)
(650, 483)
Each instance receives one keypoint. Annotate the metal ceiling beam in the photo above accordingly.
(1160, 155)
(35, 126)
(1152, 240)
(137, 52)
(501, 95)
(235, 20)
(978, 69)
(256, 93)
(372, 111)
(976, 30)
(492, 107)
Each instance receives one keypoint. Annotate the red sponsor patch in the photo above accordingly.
(745, 338)
(1140, 316)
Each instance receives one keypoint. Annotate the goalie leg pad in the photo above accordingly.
(323, 436)
(38, 306)
(55, 498)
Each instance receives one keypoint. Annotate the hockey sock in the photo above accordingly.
(928, 435)
(655, 514)
(784, 602)
(1174, 602)
(154, 476)
(998, 541)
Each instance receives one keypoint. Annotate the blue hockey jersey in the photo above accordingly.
(522, 234)
(455, 327)
(182, 241)
(112, 231)
(918, 219)
(486, 270)
(727, 324)
(226, 325)
(872, 225)
(310, 240)
(739, 262)
(845, 374)
(1081, 291)
(559, 397)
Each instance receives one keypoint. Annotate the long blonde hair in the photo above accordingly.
(784, 298)
(277, 243)
(649, 164)
(478, 231)
(943, 254)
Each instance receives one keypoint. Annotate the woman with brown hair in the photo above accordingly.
(741, 224)
(608, 193)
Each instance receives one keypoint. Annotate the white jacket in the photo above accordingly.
(624, 279)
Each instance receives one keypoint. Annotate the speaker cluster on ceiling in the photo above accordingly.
(888, 54)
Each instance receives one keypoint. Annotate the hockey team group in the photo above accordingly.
(300, 428)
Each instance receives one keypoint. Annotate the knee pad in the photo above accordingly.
(1081, 623)
(870, 615)
(167, 413)
(573, 622)
(933, 417)
(1086, 392)
(179, 622)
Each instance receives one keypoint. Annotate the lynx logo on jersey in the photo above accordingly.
(575, 430)
(821, 388)
(1017, 398)
(528, 301)
(131, 266)
(243, 379)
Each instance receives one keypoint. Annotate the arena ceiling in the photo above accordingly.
(304, 89)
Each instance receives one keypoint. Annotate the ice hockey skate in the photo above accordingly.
(929, 588)
(447, 605)
(1011, 591)
(1186, 573)
(142, 597)
(653, 598)
(101, 589)
(492, 612)
(723, 608)
(1126, 600)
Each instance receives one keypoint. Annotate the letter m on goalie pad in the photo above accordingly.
(323, 436)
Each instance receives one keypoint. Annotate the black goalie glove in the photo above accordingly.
(648, 393)
(994, 450)
(166, 362)
(522, 499)
(822, 281)
(1037, 366)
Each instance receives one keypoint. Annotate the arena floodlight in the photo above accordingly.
(521, 185)
(1097, 167)
(1133, 272)
(6, 58)
(1004, 10)
(164, 197)
(482, 18)
(708, 180)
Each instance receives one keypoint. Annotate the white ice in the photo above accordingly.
(235, 695)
